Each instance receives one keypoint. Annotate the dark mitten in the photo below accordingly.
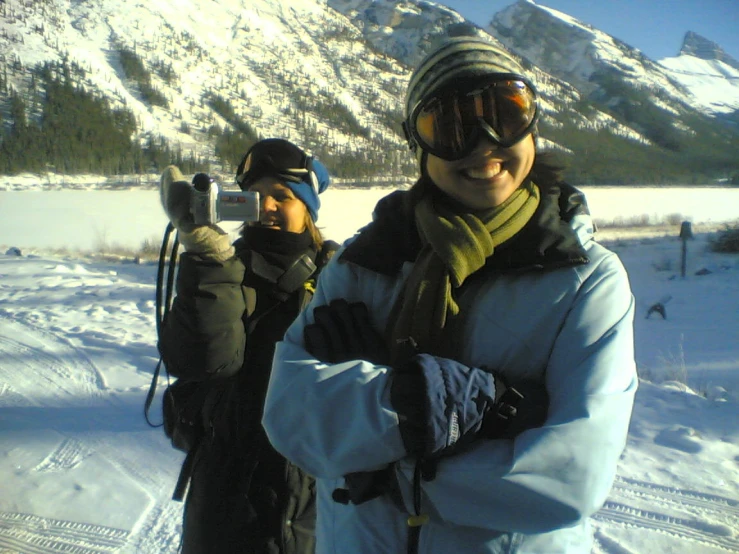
(343, 331)
(441, 404)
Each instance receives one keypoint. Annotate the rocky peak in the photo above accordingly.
(700, 47)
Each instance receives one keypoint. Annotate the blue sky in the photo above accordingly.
(656, 27)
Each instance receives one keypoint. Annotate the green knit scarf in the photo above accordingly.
(456, 245)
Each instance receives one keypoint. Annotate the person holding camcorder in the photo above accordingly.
(464, 377)
(233, 303)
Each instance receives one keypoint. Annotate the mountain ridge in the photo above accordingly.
(701, 47)
(331, 76)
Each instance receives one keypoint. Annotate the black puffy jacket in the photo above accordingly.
(220, 337)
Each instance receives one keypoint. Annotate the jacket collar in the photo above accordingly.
(547, 241)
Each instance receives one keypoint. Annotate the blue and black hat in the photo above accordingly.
(299, 171)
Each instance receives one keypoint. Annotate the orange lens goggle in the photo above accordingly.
(450, 124)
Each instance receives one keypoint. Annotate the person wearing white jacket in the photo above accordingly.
(463, 379)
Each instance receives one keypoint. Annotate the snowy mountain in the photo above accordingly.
(709, 74)
(330, 74)
(603, 100)
(296, 69)
(404, 30)
(701, 47)
(610, 73)
(572, 50)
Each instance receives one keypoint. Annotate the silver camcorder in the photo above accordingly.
(209, 205)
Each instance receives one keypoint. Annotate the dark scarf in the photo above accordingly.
(279, 248)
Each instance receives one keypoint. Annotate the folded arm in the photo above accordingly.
(560, 473)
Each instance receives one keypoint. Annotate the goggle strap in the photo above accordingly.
(406, 131)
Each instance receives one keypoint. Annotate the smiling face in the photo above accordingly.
(487, 177)
(280, 208)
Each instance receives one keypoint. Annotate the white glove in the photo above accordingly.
(209, 241)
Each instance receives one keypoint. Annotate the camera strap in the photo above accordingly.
(286, 281)
(297, 274)
(163, 303)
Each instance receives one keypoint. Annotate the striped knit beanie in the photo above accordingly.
(456, 58)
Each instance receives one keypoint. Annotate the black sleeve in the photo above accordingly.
(203, 336)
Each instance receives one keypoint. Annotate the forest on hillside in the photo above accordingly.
(60, 127)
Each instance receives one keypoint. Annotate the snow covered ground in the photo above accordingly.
(82, 472)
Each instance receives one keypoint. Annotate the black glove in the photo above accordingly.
(343, 332)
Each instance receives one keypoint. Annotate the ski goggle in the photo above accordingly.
(279, 158)
(450, 123)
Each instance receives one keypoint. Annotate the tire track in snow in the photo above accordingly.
(68, 455)
(41, 368)
(29, 534)
(158, 528)
(605, 544)
(56, 370)
(697, 530)
(161, 531)
(683, 497)
(685, 514)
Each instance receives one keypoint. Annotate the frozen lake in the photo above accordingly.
(86, 219)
